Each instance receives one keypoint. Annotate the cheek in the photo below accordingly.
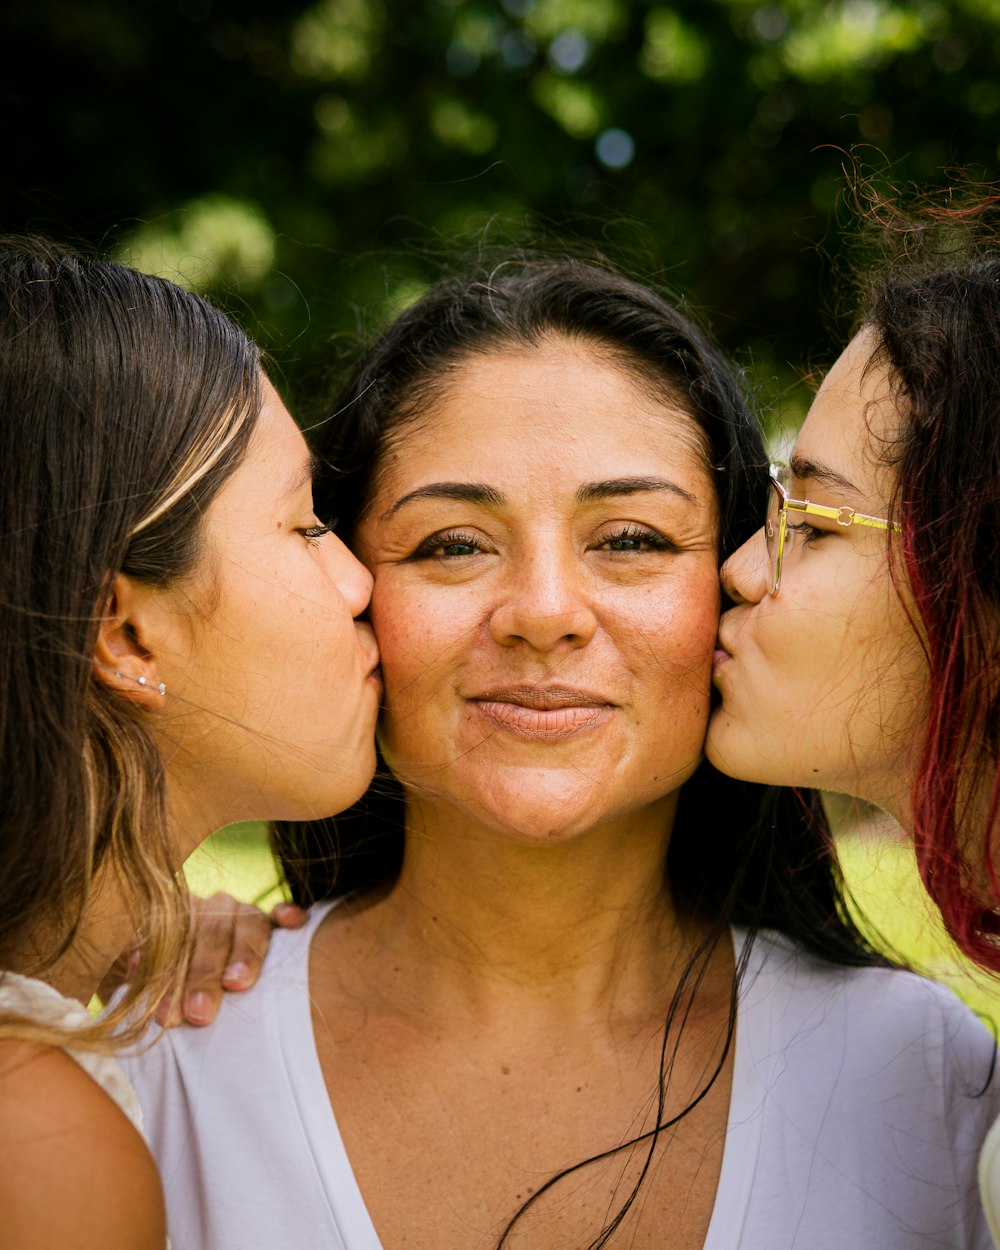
(416, 636)
(682, 626)
(671, 639)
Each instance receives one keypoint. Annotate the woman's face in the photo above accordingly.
(271, 702)
(822, 684)
(544, 548)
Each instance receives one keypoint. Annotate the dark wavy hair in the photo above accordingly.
(739, 853)
(125, 405)
(932, 303)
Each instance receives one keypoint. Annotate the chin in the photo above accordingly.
(727, 750)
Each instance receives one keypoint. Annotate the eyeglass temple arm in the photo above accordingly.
(843, 516)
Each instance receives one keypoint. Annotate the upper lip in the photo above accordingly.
(720, 643)
(543, 697)
(369, 649)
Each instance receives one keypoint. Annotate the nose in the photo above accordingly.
(745, 574)
(349, 575)
(547, 604)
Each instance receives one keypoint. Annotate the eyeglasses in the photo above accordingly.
(780, 537)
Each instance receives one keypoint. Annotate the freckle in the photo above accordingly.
(579, 1089)
(505, 1070)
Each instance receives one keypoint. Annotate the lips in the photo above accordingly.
(543, 712)
(368, 647)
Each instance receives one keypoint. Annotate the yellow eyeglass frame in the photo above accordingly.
(776, 524)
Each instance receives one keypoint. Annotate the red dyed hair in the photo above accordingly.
(935, 313)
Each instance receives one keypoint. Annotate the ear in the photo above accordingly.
(122, 661)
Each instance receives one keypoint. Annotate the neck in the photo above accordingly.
(586, 918)
(108, 922)
(104, 931)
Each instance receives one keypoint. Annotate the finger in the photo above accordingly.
(168, 1014)
(251, 938)
(213, 923)
(288, 915)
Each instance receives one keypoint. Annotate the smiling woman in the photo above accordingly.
(543, 602)
(538, 1007)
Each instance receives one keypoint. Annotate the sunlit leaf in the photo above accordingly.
(211, 242)
(673, 51)
(575, 105)
(857, 33)
(455, 124)
(337, 39)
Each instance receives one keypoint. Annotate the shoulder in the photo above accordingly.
(250, 1027)
(889, 1014)
(74, 1170)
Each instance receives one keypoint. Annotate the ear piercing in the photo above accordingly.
(161, 688)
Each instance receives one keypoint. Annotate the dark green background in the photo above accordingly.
(310, 164)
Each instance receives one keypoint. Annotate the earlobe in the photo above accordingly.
(122, 661)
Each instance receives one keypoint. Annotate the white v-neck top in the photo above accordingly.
(855, 1122)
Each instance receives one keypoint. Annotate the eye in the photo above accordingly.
(804, 532)
(449, 545)
(315, 532)
(635, 539)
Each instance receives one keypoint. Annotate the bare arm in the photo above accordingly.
(74, 1171)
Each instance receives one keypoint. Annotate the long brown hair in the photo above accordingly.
(125, 404)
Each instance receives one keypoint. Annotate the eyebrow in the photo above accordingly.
(304, 477)
(630, 486)
(460, 492)
(490, 497)
(814, 471)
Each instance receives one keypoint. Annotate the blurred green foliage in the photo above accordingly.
(311, 164)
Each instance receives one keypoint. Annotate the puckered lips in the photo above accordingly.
(543, 713)
(723, 651)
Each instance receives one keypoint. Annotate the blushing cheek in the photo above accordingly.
(690, 630)
(414, 651)
(679, 643)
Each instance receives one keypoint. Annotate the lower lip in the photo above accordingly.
(544, 724)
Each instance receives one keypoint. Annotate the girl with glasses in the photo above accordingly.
(861, 653)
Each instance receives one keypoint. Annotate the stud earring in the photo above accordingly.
(161, 688)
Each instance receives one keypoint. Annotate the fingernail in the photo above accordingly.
(197, 1008)
(290, 912)
(236, 974)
